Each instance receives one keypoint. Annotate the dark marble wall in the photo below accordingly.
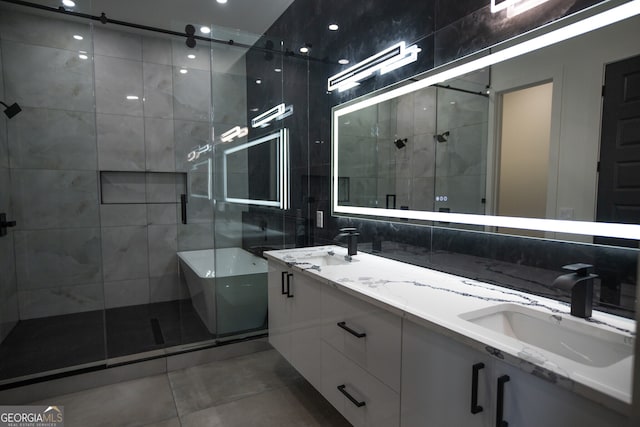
(445, 30)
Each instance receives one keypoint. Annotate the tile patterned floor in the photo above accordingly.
(260, 389)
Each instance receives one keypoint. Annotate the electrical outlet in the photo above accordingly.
(319, 219)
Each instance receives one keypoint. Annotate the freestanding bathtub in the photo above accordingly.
(232, 297)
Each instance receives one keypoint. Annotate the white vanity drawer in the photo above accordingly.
(366, 334)
(364, 400)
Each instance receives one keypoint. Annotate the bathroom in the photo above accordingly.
(98, 262)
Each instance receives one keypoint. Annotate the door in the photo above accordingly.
(619, 177)
(529, 401)
(444, 383)
(279, 309)
(305, 324)
(525, 138)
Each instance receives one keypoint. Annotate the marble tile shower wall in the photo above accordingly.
(53, 163)
(74, 253)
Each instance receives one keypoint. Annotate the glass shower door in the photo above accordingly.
(8, 290)
(51, 280)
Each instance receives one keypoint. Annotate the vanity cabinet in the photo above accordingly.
(368, 335)
(438, 387)
(437, 381)
(294, 320)
(361, 346)
(359, 396)
(346, 348)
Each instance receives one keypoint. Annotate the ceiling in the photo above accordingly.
(239, 16)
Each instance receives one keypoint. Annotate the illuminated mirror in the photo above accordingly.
(267, 183)
(438, 148)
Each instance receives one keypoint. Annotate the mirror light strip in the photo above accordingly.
(286, 171)
(269, 115)
(625, 231)
(606, 229)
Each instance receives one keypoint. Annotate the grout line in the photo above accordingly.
(173, 396)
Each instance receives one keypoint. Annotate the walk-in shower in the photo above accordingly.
(90, 271)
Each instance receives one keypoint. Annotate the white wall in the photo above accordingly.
(576, 68)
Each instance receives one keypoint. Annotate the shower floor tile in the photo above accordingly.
(45, 344)
(57, 342)
(148, 327)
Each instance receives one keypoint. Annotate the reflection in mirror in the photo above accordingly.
(420, 151)
(509, 147)
(200, 180)
(269, 184)
(523, 154)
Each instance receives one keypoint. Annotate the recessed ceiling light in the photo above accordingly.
(205, 30)
(258, 82)
(183, 71)
(277, 70)
(221, 1)
(191, 56)
(83, 56)
(333, 27)
(69, 3)
(132, 97)
(78, 37)
(343, 61)
(304, 49)
(254, 109)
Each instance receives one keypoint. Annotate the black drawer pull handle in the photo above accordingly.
(344, 326)
(289, 294)
(284, 273)
(475, 408)
(342, 390)
(500, 403)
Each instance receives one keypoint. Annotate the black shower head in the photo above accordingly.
(11, 110)
(400, 143)
(441, 137)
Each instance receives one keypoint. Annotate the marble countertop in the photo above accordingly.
(436, 300)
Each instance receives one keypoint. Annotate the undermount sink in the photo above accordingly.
(558, 334)
(325, 260)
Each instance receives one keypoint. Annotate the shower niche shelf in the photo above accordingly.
(120, 187)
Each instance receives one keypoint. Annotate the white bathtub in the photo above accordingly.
(232, 298)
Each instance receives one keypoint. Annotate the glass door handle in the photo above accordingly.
(183, 208)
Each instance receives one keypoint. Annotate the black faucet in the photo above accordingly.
(580, 283)
(352, 240)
